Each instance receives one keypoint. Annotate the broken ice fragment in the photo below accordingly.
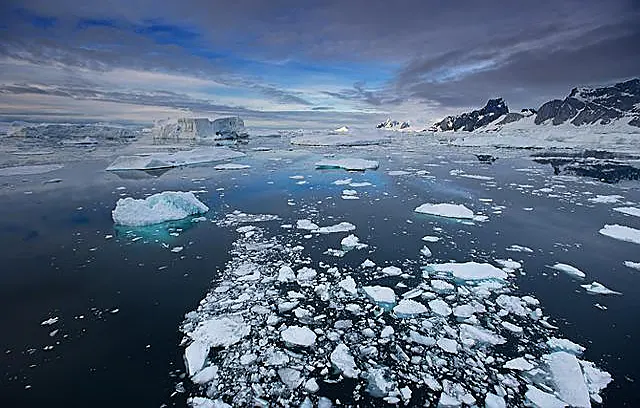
(221, 331)
(409, 308)
(446, 210)
(621, 233)
(540, 399)
(440, 307)
(195, 355)
(448, 345)
(290, 377)
(519, 363)
(299, 336)
(342, 359)
(469, 271)
(347, 164)
(556, 344)
(348, 285)
(569, 270)
(599, 289)
(568, 379)
(381, 295)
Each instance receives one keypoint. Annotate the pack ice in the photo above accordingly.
(151, 161)
(158, 208)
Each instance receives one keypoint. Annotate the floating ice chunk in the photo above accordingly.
(342, 129)
(398, 173)
(350, 242)
(621, 233)
(311, 385)
(306, 274)
(221, 331)
(471, 335)
(286, 274)
(418, 338)
(440, 307)
(464, 311)
(232, 166)
(341, 227)
(469, 271)
(343, 182)
(632, 265)
(387, 332)
(405, 393)
(368, 263)
(391, 271)
(509, 264)
(158, 208)
(596, 379)
(568, 379)
(306, 225)
(628, 210)
(599, 289)
(195, 356)
(348, 285)
(540, 399)
(430, 238)
(378, 385)
(519, 248)
(201, 402)
(512, 304)
(206, 375)
(177, 249)
(50, 321)
(347, 164)
(29, 170)
(342, 359)
(494, 401)
(441, 286)
(568, 269)
(167, 160)
(606, 199)
(426, 251)
(448, 345)
(519, 364)
(446, 210)
(380, 294)
(409, 308)
(299, 336)
(512, 327)
(292, 378)
(556, 344)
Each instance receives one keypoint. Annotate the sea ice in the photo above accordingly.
(628, 210)
(232, 166)
(380, 294)
(470, 271)
(429, 238)
(331, 229)
(221, 331)
(350, 242)
(540, 399)
(299, 336)
(292, 378)
(568, 269)
(448, 345)
(347, 164)
(306, 225)
(440, 307)
(556, 344)
(568, 379)
(606, 199)
(622, 233)
(195, 356)
(519, 364)
(29, 170)
(165, 160)
(348, 285)
(409, 308)
(632, 265)
(596, 379)
(599, 289)
(446, 210)
(471, 335)
(342, 359)
(158, 208)
(494, 401)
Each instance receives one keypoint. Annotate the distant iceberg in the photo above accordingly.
(200, 129)
(158, 208)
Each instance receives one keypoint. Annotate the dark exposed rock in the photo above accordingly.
(393, 124)
(569, 108)
(511, 117)
(473, 120)
(548, 110)
(635, 121)
(486, 158)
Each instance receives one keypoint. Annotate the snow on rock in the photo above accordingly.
(568, 379)
(347, 164)
(470, 271)
(599, 289)
(569, 270)
(342, 359)
(151, 161)
(409, 308)
(446, 210)
(158, 208)
(299, 336)
(380, 294)
(621, 232)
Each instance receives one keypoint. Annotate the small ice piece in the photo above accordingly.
(342, 359)
(292, 378)
(201, 402)
(341, 227)
(621, 233)
(418, 338)
(599, 289)
(409, 308)
(306, 274)
(380, 294)
(426, 251)
(471, 334)
(440, 307)
(29, 170)
(519, 248)
(512, 327)
(463, 311)
(50, 321)
(509, 264)
(494, 401)
(556, 344)
(628, 210)
(343, 182)
(391, 271)
(470, 271)
(167, 160)
(378, 386)
(448, 345)
(206, 375)
(632, 265)
(311, 385)
(347, 164)
(158, 208)
(405, 394)
(606, 199)
(368, 263)
(568, 379)
(398, 173)
(596, 380)
(569, 270)
(299, 336)
(387, 332)
(177, 249)
(286, 274)
(348, 285)
(446, 210)
(441, 286)
(540, 399)
(512, 304)
(519, 364)
(221, 331)
(350, 242)
(195, 356)
(306, 225)
(430, 238)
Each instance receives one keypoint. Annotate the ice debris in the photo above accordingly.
(158, 208)
(347, 164)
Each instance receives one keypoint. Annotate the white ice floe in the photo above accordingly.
(470, 271)
(628, 210)
(368, 263)
(518, 364)
(446, 210)
(606, 199)
(430, 238)
(494, 401)
(299, 336)
(340, 227)
(348, 285)
(341, 139)
(596, 379)
(440, 307)
(425, 251)
(380, 294)
(519, 248)
(556, 344)
(195, 356)
(342, 359)
(391, 271)
(306, 225)
(448, 345)
(632, 265)
(599, 289)
(158, 208)
(348, 164)
(151, 161)
(221, 331)
(29, 170)
(472, 335)
(409, 308)
(569, 270)
(352, 242)
(540, 399)
(621, 233)
(568, 379)
(398, 173)
(232, 166)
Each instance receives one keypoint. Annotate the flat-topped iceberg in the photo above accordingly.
(158, 208)
(348, 164)
(469, 271)
(447, 210)
(569, 270)
(151, 161)
(621, 233)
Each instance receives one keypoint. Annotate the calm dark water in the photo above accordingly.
(56, 262)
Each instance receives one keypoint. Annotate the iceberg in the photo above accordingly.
(158, 208)
(200, 129)
(599, 289)
(470, 271)
(347, 164)
(446, 210)
(621, 233)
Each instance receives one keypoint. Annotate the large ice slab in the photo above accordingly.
(628, 210)
(470, 271)
(621, 233)
(347, 164)
(446, 210)
(158, 208)
(29, 170)
(569, 270)
(163, 160)
(299, 336)
(568, 379)
(342, 359)
(221, 331)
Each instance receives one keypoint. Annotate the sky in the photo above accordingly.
(304, 63)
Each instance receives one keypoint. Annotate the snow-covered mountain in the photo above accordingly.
(393, 125)
(469, 121)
